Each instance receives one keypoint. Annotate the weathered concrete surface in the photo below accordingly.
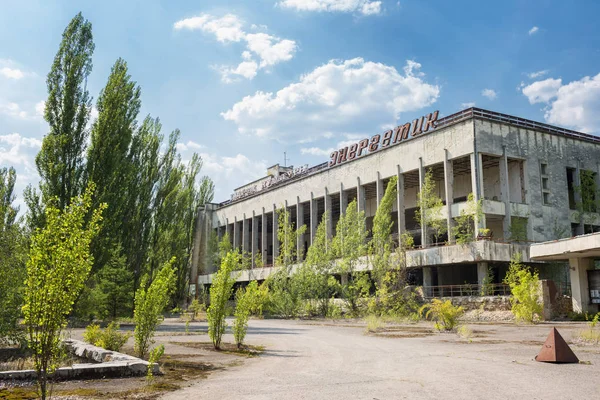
(105, 364)
(482, 250)
(304, 361)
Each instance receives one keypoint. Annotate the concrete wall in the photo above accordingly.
(457, 139)
(534, 147)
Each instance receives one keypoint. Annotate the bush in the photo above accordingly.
(109, 339)
(524, 290)
(194, 308)
(374, 323)
(155, 355)
(444, 313)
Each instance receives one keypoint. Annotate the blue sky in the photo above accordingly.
(245, 81)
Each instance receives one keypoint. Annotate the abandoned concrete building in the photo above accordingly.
(537, 183)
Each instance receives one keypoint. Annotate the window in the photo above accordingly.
(545, 182)
(571, 188)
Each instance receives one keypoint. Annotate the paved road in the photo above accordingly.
(307, 361)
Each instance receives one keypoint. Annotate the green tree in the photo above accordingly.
(349, 245)
(315, 275)
(60, 161)
(108, 164)
(288, 236)
(429, 207)
(285, 291)
(115, 283)
(243, 304)
(220, 292)
(58, 266)
(149, 305)
(13, 253)
(464, 227)
(525, 291)
(144, 154)
(382, 243)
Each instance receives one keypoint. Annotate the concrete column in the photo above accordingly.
(505, 193)
(245, 235)
(449, 189)
(580, 292)
(228, 230)
(400, 204)
(236, 234)
(421, 182)
(263, 241)
(343, 199)
(379, 189)
(427, 281)
(475, 190)
(482, 272)
(360, 196)
(313, 218)
(578, 200)
(299, 223)
(480, 175)
(328, 214)
(219, 232)
(254, 238)
(275, 239)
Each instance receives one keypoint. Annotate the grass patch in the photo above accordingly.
(589, 336)
(374, 324)
(226, 348)
(464, 332)
(18, 393)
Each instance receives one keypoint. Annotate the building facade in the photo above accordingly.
(534, 181)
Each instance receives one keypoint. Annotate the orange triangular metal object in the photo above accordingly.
(556, 350)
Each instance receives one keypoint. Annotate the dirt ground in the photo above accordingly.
(325, 359)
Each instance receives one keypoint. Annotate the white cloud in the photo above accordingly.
(537, 74)
(533, 30)
(365, 7)
(181, 147)
(12, 110)
(489, 93)
(268, 49)
(542, 91)
(467, 105)
(226, 29)
(16, 150)
(231, 172)
(40, 107)
(352, 96)
(11, 73)
(316, 151)
(576, 105)
(246, 69)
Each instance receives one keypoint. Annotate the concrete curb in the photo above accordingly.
(105, 364)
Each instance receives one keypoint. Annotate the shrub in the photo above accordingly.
(109, 339)
(525, 291)
(592, 335)
(194, 308)
(112, 339)
(465, 332)
(220, 292)
(155, 355)
(444, 313)
(149, 305)
(374, 323)
(92, 334)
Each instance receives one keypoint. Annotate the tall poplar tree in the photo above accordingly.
(108, 163)
(60, 162)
